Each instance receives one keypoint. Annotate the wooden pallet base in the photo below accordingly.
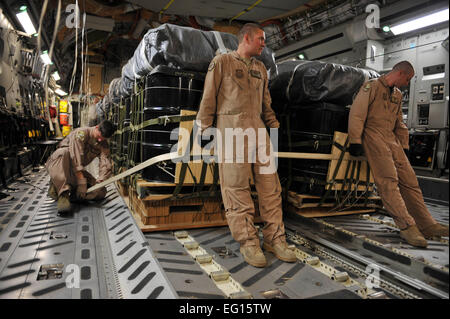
(123, 188)
(303, 201)
(185, 211)
(308, 205)
(167, 227)
(326, 211)
(164, 215)
(152, 191)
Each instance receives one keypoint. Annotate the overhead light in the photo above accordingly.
(56, 76)
(386, 28)
(25, 21)
(433, 76)
(301, 56)
(419, 23)
(45, 58)
(60, 92)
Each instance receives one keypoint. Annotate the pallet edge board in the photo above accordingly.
(311, 212)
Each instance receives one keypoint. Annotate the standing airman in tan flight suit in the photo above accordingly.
(376, 129)
(236, 95)
(68, 179)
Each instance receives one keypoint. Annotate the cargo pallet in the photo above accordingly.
(349, 187)
(162, 212)
(309, 205)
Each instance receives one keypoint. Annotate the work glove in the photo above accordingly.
(94, 195)
(356, 150)
(406, 152)
(82, 188)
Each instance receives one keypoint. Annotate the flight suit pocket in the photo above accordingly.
(256, 82)
(393, 107)
(235, 81)
(391, 115)
(232, 90)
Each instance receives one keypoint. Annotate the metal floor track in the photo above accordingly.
(382, 229)
(97, 251)
(277, 280)
(102, 246)
(373, 242)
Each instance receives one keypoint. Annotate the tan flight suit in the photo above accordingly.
(376, 122)
(236, 95)
(75, 152)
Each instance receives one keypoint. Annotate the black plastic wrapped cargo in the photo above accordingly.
(167, 92)
(309, 180)
(156, 141)
(114, 141)
(115, 114)
(125, 137)
(319, 117)
(169, 87)
(301, 82)
(312, 126)
(134, 143)
(162, 172)
(127, 102)
(160, 134)
(134, 151)
(311, 130)
(124, 118)
(182, 48)
(306, 173)
(307, 142)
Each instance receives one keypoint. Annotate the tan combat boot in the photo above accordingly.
(281, 251)
(435, 231)
(253, 255)
(52, 193)
(63, 203)
(413, 236)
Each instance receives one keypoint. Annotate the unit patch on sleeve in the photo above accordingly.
(255, 74)
(212, 65)
(367, 87)
(81, 135)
